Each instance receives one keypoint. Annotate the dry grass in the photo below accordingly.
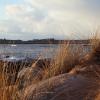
(95, 43)
(8, 80)
(64, 61)
(8, 90)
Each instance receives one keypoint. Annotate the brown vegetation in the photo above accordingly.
(69, 76)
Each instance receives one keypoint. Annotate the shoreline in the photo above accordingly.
(43, 41)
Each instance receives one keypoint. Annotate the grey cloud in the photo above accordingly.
(34, 18)
(40, 15)
(10, 26)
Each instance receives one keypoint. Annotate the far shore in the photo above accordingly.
(43, 41)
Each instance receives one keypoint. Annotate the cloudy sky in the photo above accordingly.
(32, 19)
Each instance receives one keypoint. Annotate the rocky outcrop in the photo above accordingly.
(63, 87)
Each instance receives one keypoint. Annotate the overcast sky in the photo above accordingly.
(32, 19)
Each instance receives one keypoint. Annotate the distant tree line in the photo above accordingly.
(43, 41)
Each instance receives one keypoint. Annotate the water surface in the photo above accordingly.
(20, 51)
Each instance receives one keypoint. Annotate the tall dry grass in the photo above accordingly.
(7, 92)
(8, 80)
(65, 59)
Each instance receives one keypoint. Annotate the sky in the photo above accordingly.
(38, 19)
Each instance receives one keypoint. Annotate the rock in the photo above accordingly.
(63, 87)
(81, 83)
